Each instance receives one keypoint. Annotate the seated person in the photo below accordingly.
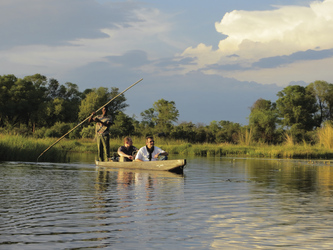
(128, 151)
(150, 152)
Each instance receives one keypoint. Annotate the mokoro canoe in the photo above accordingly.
(168, 165)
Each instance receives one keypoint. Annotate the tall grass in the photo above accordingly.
(18, 148)
(288, 140)
(246, 137)
(325, 136)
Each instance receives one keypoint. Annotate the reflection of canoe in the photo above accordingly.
(168, 165)
(153, 174)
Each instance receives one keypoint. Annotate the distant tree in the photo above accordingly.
(148, 117)
(166, 115)
(228, 132)
(123, 126)
(63, 102)
(6, 103)
(296, 107)
(118, 104)
(97, 98)
(329, 101)
(184, 131)
(263, 120)
(37, 80)
(21, 100)
(161, 116)
(323, 91)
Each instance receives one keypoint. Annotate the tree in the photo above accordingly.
(166, 114)
(184, 131)
(117, 104)
(123, 126)
(21, 100)
(320, 90)
(263, 119)
(6, 104)
(296, 107)
(63, 102)
(148, 117)
(97, 98)
(228, 132)
(162, 115)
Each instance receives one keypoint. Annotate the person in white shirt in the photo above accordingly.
(150, 152)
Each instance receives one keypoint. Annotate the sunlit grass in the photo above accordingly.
(325, 136)
(18, 148)
(246, 137)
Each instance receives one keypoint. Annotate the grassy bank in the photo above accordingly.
(18, 148)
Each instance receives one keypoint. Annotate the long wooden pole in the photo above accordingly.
(87, 118)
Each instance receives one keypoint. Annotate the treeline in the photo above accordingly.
(40, 107)
(297, 114)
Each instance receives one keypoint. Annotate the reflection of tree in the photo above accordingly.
(290, 175)
(325, 180)
(283, 203)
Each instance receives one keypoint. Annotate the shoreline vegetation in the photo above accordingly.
(20, 148)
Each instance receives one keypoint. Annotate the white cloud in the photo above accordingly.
(253, 35)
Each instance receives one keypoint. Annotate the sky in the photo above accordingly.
(213, 58)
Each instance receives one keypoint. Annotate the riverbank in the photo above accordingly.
(18, 148)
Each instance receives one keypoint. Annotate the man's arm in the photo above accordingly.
(121, 153)
(91, 117)
(162, 152)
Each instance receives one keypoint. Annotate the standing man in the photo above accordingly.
(127, 151)
(103, 123)
(150, 152)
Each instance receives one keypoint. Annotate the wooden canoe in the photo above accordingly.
(168, 165)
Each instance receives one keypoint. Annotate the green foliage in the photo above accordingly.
(184, 131)
(58, 129)
(262, 120)
(162, 116)
(40, 107)
(296, 106)
(123, 126)
(96, 98)
(323, 91)
(19, 148)
(228, 132)
(88, 132)
(148, 117)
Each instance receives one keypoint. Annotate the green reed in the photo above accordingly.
(18, 148)
(325, 135)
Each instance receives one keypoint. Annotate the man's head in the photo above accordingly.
(149, 141)
(128, 142)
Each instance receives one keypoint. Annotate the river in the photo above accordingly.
(218, 203)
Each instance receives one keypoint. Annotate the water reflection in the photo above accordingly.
(220, 203)
(289, 201)
(129, 185)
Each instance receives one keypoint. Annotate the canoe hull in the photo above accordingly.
(168, 165)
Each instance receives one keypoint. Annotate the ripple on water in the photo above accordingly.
(217, 204)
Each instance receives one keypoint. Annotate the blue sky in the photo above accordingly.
(213, 58)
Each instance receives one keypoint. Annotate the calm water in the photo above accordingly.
(219, 203)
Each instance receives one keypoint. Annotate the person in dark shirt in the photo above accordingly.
(103, 123)
(128, 151)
